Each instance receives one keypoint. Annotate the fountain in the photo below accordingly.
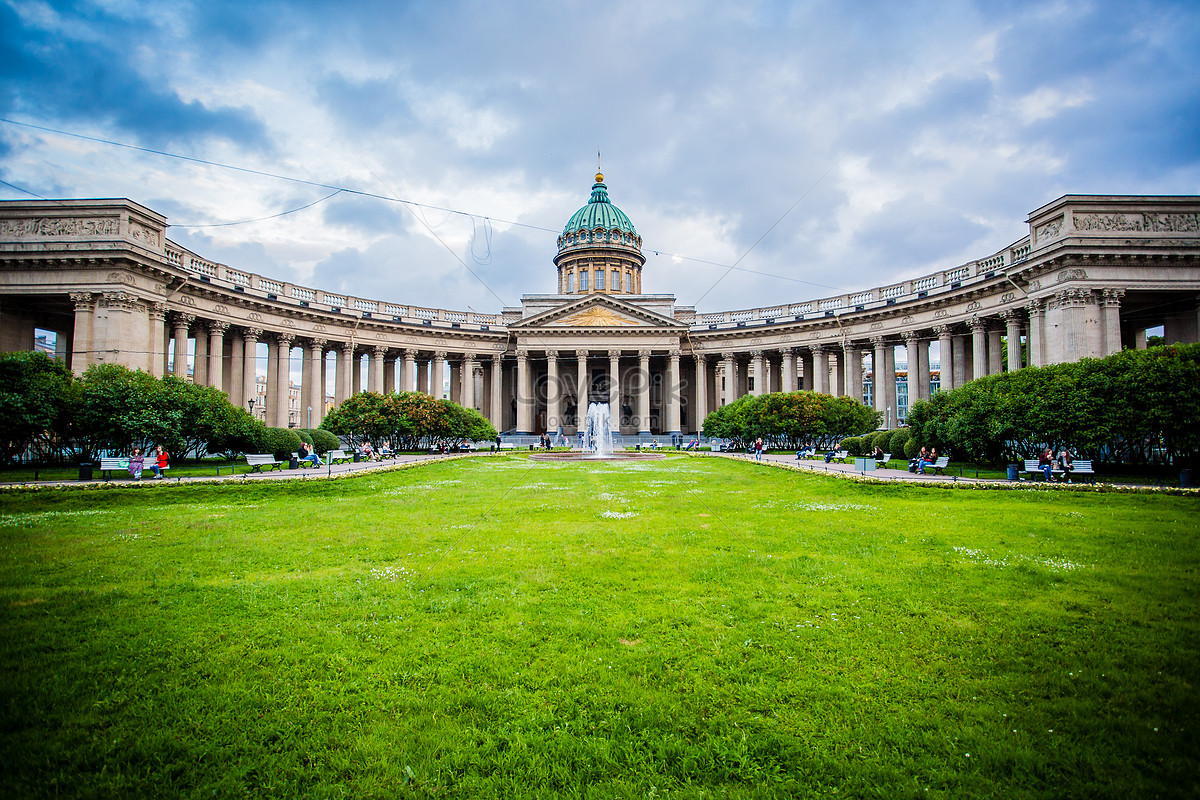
(597, 441)
(597, 433)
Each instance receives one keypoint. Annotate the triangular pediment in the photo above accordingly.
(598, 311)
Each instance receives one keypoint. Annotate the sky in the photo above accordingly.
(818, 147)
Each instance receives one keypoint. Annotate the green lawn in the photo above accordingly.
(692, 627)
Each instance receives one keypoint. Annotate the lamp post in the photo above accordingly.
(310, 418)
(250, 404)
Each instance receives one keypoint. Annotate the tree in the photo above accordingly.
(34, 392)
(791, 420)
(116, 408)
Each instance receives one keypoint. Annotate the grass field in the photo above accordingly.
(694, 627)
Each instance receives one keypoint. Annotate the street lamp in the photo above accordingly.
(309, 418)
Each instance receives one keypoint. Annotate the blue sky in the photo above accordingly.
(909, 137)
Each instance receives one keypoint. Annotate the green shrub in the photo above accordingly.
(880, 439)
(305, 435)
(897, 441)
(282, 442)
(911, 448)
(324, 441)
(853, 445)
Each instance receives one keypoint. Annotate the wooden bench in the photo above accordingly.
(940, 464)
(1080, 466)
(260, 460)
(882, 462)
(107, 465)
(338, 457)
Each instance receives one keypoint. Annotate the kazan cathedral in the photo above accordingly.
(100, 282)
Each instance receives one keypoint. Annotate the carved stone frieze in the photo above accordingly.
(146, 235)
(60, 227)
(1049, 230)
(1071, 275)
(220, 309)
(1148, 223)
(254, 316)
(974, 305)
(120, 277)
(123, 300)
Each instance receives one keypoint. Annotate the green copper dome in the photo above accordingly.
(599, 213)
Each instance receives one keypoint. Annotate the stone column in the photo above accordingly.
(614, 390)
(978, 347)
(581, 390)
(553, 395)
(1037, 330)
(756, 367)
(346, 375)
(945, 357)
(200, 356)
(789, 370)
(672, 387)
(995, 351)
(643, 398)
(455, 380)
(237, 367)
(878, 388)
(730, 377)
(356, 381)
(408, 371)
(438, 378)
(181, 323)
(1012, 330)
(216, 351)
(316, 381)
(423, 377)
(82, 340)
(701, 392)
(250, 365)
(960, 367)
(378, 354)
(157, 357)
(271, 384)
(1111, 314)
(497, 386)
(889, 380)
(837, 369)
(820, 369)
(467, 393)
(389, 374)
(284, 373)
(804, 381)
(852, 358)
(914, 364)
(524, 400)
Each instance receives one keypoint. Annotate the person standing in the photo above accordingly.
(758, 448)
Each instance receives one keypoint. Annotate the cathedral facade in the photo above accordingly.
(1090, 277)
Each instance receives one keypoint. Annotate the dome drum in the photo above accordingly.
(599, 250)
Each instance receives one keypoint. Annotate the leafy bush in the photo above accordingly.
(324, 441)
(897, 441)
(281, 442)
(854, 445)
(791, 420)
(407, 420)
(34, 393)
(911, 448)
(880, 439)
(305, 435)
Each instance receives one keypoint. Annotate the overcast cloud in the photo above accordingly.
(911, 137)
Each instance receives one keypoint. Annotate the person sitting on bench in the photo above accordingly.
(309, 455)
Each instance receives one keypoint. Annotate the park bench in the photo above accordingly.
(107, 465)
(882, 462)
(940, 464)
(338, 457)
(260, 460)
(1080, 466)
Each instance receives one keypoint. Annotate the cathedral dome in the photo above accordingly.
(599, 250)
(599, 214)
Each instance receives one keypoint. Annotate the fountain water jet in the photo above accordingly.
(597, 441)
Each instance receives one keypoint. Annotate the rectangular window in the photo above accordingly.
(616, 280)
(583, 281)
(599, 280)
(570, 282)
(628, 283)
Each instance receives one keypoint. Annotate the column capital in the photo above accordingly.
(878, 342)
(614, 353)
(497, 358)
(158, 311)
(552, 355)
(120, 300)
(978, 324)
(252, 333)
(727, 355)
(522, 354)
(82, 300)
(348, 349)
(701, 358)
(380, 350)
(1036, 306)
(581, 355)
(217, 328)
(1010, 314)
(787, 352)
(910, 336)
(943, 331)
(410, 352)
(439, 355)
(817, 348)
(756, 353)
(285, 338)
(1112, 297)
(182, 320)
(644, 355)
(317, 344)
(468, 356)
(674, 355)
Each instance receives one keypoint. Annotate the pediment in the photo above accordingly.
(597, 311)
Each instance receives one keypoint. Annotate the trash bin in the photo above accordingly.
(1185, 479)
(85, 470)
(1014, 471)
(356, 457)
(294, 463)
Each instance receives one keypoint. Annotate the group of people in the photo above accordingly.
(1065, 463)
(159, 462)
(923, 459)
